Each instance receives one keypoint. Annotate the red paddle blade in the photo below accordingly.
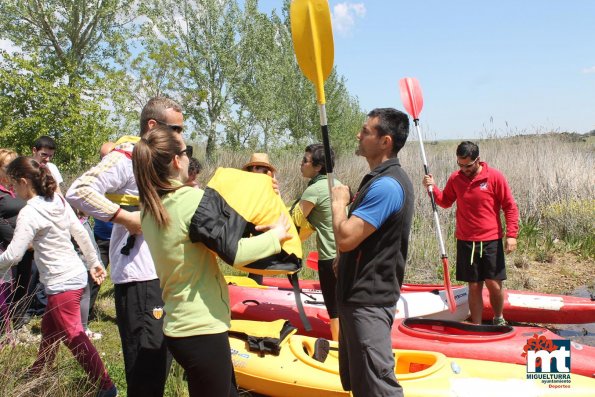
(411, 96)
(450, 298)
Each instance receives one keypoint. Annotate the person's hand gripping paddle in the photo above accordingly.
(312, 35)
(413, 101)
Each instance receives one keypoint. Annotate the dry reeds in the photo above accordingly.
(550, 176)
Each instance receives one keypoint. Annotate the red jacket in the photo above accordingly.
(479, 201)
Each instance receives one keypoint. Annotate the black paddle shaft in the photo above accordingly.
(327, 149)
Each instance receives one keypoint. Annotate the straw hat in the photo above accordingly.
(259, 159)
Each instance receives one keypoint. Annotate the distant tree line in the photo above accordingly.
(84, 69)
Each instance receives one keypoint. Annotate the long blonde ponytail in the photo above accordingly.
(152, 165)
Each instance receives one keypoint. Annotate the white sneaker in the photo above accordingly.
(93, 335)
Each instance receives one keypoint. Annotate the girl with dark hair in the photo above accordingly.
(315, 207)
(194, 289)
(47, 223)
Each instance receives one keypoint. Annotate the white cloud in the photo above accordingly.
(345, 14)
(589, 70)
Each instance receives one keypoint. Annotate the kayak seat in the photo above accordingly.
(262, 346)
(321, 349)
(262, 337)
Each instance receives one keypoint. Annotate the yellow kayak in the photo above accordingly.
(302, 370)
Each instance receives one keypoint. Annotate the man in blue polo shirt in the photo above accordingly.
(373, 240)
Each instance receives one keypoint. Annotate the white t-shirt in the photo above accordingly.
(55, 173)
(49, 225)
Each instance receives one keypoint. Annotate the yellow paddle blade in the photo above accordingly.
(312, 35)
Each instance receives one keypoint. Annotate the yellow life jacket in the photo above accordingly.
(128, 202)
(124, 200)
(127, 139)
(234, 203)
(305, 228)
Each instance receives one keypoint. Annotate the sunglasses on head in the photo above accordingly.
(173, 127)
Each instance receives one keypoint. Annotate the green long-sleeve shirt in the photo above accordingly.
(194, 289)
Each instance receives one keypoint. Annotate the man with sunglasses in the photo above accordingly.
(373, 241)
(109, 192)
(480, 193)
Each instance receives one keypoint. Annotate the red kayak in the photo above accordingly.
(519, 306)
(483, 342)
(271, 304)
(533, 307)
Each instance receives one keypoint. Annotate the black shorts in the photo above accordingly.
(478, 261)
(328, 285)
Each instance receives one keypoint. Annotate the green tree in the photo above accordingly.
(72, 45)
(344, 114)
(280, 100)
(302, 122)
(32, 104)
(203, 36)
(76, 36)
(256, 95)
(143, 76)
(233, 68)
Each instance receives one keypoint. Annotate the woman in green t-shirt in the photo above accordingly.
(315, 205)
(197, 315)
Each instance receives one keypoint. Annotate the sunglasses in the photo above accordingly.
(467, 165)
(188, 151)
(173, 127)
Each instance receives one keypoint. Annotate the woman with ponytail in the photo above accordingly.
(315, 206)
(197, 314)
(47, 223)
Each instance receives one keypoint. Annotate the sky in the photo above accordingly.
(499, 67)
(485, 67)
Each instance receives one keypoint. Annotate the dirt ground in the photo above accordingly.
(561, 274)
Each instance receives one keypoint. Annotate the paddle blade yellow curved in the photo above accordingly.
(312, 35)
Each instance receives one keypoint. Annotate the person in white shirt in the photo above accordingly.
(109, 192)
(43, 151)
(48, 223)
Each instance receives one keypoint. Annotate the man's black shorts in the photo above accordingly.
(478, 261)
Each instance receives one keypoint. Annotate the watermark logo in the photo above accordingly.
(548, 360)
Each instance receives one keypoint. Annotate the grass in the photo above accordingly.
(551, 179)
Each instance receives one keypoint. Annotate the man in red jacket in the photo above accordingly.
(480, 192)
